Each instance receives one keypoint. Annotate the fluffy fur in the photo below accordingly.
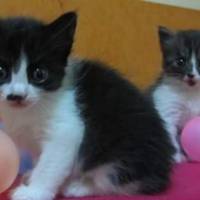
(91, 132)
(176, 94)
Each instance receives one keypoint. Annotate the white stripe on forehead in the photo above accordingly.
(194, 65)
(19, 82)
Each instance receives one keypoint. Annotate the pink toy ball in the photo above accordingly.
(9, 162)
(190, 139)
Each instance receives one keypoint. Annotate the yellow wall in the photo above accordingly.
(120, 32)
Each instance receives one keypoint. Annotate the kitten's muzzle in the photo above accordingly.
(190, 79)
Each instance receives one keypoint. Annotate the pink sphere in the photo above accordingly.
(190, 139)
(9, 161)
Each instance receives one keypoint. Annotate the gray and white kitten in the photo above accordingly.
(176, 94)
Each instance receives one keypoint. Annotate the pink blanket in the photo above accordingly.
(185, 185)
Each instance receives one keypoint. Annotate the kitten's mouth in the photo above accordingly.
(191, 82)
(19, 104)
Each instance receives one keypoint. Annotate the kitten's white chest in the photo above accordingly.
(177, 104)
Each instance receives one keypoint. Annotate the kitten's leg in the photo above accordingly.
(173, 133)
(53, 167)
(64, 134)
(171, 116)
(80, 188)
(95, 182)
(171, 110)
(100, 181)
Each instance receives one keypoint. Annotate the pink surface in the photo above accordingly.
(190, 139)
(185, 186)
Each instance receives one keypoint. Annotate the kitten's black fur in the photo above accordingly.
(122, 127)
(44, 45)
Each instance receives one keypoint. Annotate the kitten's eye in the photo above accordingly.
(180, 61)
(40, 75)
(3, 73)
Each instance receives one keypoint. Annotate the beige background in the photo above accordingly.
(120, 32)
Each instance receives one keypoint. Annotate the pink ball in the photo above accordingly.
(190, 139)
(9, 161)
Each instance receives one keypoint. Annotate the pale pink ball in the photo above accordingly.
(190, 139)
(9, 162)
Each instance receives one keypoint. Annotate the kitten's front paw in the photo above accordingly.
(179, 157)
(31, 193)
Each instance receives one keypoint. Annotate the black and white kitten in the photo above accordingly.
(177, 92)
(91, 131)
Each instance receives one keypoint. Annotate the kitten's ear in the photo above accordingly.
(165, 35)
(60, 33)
